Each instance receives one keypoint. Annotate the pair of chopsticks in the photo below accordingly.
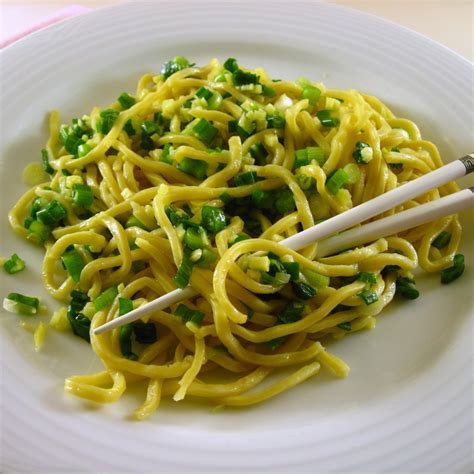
(413, 217)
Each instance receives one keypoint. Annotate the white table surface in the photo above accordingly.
(449, 22)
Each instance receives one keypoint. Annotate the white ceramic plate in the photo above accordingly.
(407, 405)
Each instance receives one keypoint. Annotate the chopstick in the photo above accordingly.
(421, 214)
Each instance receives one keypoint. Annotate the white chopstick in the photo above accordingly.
(383, 227)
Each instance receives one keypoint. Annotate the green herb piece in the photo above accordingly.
(346, 326)
(243, 179)
(52, 213)
(262, 199)
(205, 131)
(231, 65)
(208, 257)
(259, 152)
(74, 263)
(106, 298)
(453, 273)
(196, 168)
(284, 201)
(82, 195)
(38, 232)
(336, 180)
(184, 271)
(106, 121)
(188, 314)
(406, 287)
(174, 65)
(311, 93)
(368, 296)
(133, 221)
(21, 304)
(80, 325)
(293, 269)
(367, 277)
(45, 160)
(213, 219)
(303, 290)
(242, 78)
(362, 153)
(125, 306)
(204, 93)
(129, 128)
(125, 341)
(274, 344)
(306, 155)
(275, 121)
(292, 312)
(14, 264)
(195, 238)
(442, 240)
(268, 91)
(126, 101)
(326, 118)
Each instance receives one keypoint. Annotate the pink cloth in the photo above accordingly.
(60, 15)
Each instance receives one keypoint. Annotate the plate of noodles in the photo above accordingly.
(153, 145)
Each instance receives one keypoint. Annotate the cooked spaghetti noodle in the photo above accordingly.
(196, 179)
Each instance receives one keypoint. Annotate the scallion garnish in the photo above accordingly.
(259, 152)
(303, 290)
(293, 269)
(205, 131)
(174, 65)
(316, 279)
(311, 93)
(243, 179)
(242, 78)
(336, 180)
(195, 238)
(213, 219)
(262, 199)
(453, 273)
(306, 155)
(126, 101)
(14, 264)
(38, 232)
(125, 341)
(326, 118)
(406, 287)
(82, 195)
(52, 213)
(21, 304)
(188, 314)
(284, 201)
(74, 263)
(106, 298)
(106, 121)
(363, 153)
(231, 65)
(184, 271)
(367, 277)
(275, 121)
(268, 91)
(125, 305)
(345, 326)
(442, 240)
(204, 93)
(274, 344)
(45, 160)
(292, 312)
(133, 221)
(368, 296)
(197, 168)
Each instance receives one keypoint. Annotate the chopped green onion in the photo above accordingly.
(275, 121)
(242, 78)
(406, 287)
(174, 65)
(215, 102)
(275, 343)
(70, 141)
(66, 172)
(184, 271)
(311, 93)
(80, 325)
(38, 232)
(306, 155)
(176, 217)
(231, 65)
(368, 296)
(442, 240)
(213, 219)
(14, 264)
(204, 93)
(37, 204)
(45, 160)
(268, 91)
(303, 290)
(188, 314)
(195, 238)
(243, 179)
(106, 298)
(293, 269)
(78, 301)
(125, 306)
(259, 152)
(305, 182)
(205, 131)
(165, 154)
(262, 199)
(129, 128)
(149, 127)
(453, 273)
(133, 221)
(126, 101)
(292, 312)
(316, 279)
(336, 180)
(52, 213)
(82, 195)
(125, 341)
(83, 149)
(197, 168)
(106, 121)
(363, 153)
(367, 277)
(221, 77)
(21, 304)
(208, 257)
(284, 201)
(346, 326)
(326, 119)
(145, 333)
(74, 263)
(353, 173)
(239, 238)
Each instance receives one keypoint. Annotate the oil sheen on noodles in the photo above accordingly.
(205, 169)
